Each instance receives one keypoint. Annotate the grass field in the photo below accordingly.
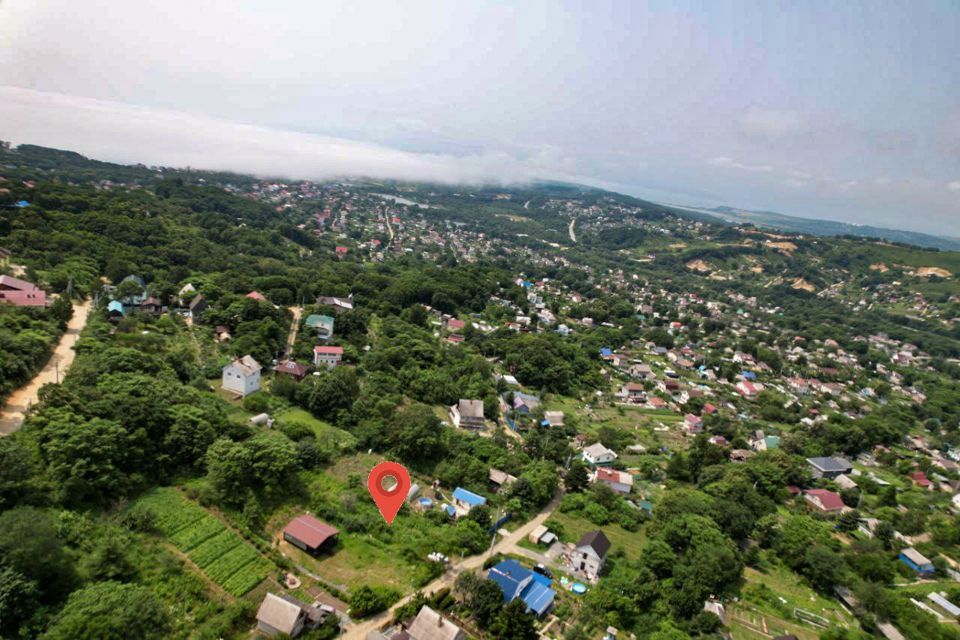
(359, 560)
(769, 599)
(225, 557)
(574, 527)
(324, 431)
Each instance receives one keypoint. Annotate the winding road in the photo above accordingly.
(573, 236)
(508, 544)
(16, 406)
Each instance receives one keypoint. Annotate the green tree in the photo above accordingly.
(576, 477)
(29, 544)
(482, 598)
(18, 598)
(110, 611)
(514, 622)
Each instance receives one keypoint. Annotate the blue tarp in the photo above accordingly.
(21, 204)
(606, 351)
(749, 375)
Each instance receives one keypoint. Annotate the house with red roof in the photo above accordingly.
(748, 389)
(693, 424)
(455, 324)
(920, 479)
(309, 534)
(341, 251)
(709, 409)
(329, 357)
(824, 501)
(619, 481)
(256, 295)
(21, 293)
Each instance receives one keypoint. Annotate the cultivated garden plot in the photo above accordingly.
(223, 555)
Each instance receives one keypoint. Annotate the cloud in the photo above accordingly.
(730, 163)
(134, 134)
(954, 186)
(770, 124)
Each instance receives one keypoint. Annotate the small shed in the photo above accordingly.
(309, 534)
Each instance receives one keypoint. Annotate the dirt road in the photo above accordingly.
(573, 236)
(507, 544)
(294, 326)
(12, 414)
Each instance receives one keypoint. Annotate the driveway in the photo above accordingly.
(16, 406)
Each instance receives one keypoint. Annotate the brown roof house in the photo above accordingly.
(430, 625)
(287, 615)
(296, 371)
(309, 534)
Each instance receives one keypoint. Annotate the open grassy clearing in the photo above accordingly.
(325, 432)
(574, 527)
(225, 557)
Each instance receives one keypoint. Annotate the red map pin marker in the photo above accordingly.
(389, 498)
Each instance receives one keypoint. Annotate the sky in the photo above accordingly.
(841, 110)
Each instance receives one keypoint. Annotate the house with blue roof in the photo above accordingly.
(516, 581)
(115, 309)
(606, 352)
(464, 501)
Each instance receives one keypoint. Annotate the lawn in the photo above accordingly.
(574, 527)
(770, 598)
(324, 431)
(225, 557)
(358, 560)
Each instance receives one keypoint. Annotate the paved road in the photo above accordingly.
(12, 414)
(507, 544)
(573, 236)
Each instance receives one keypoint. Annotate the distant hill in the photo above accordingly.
(812, 226)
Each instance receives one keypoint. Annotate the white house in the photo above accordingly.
(242, 376)
(590, 553)
(597, 455)
(467, 414)
(328, 357)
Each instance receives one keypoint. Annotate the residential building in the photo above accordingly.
(597, 455)
(430, 625)
(322, 325)
(516, 581)
(464, 501)
(242, 376)
(283, 614)
(293, 369)
(553, 418)
(467, 414)
(21, 293)
(501, 480)
(824, 501)
(619, 481)
(329, 357)
(590, 553)
(828, 467)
